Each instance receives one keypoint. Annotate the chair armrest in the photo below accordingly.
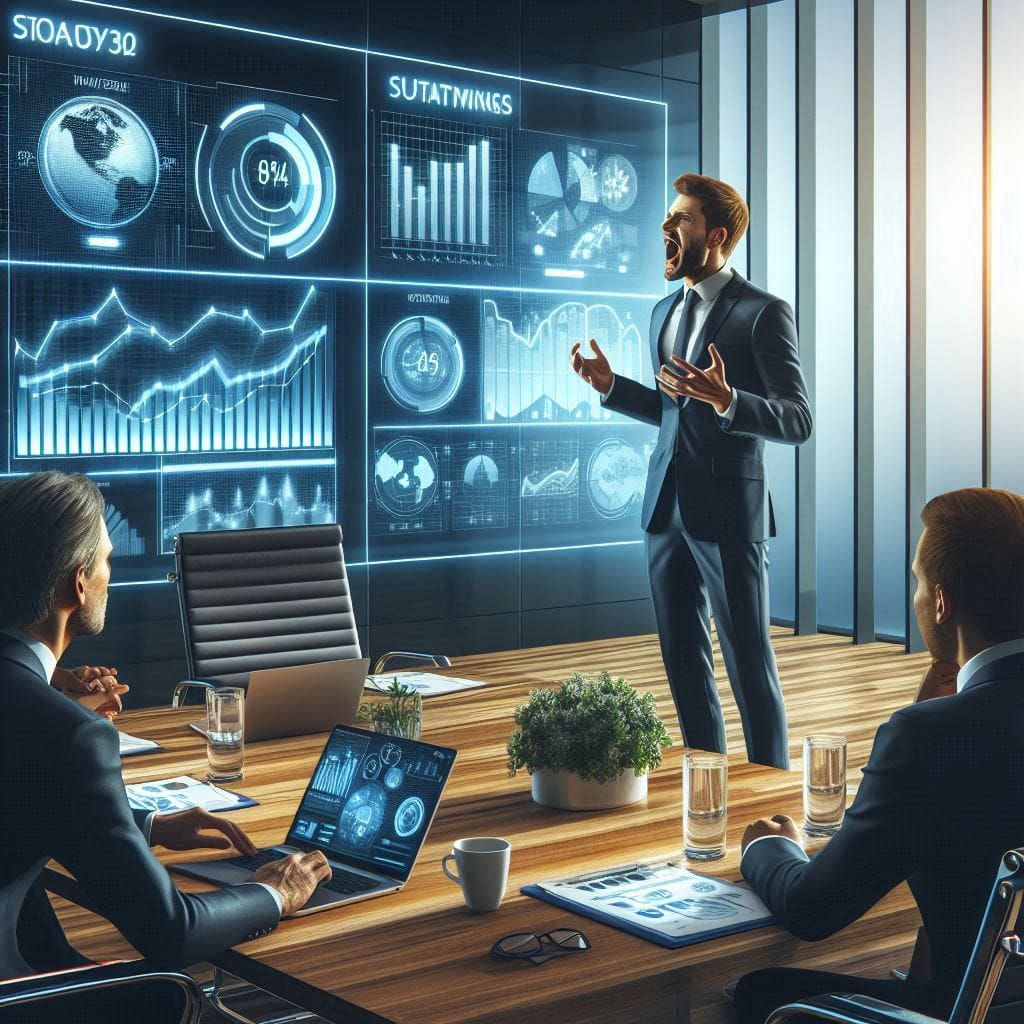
(438, 660)
(184, 686)
(845, 1008)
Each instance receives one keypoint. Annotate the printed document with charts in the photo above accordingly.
(661, 901)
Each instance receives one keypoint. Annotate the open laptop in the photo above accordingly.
(300, 699)
(368, 807)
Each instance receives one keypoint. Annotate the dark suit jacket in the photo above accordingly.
(719, 471)
(62, 797)
(942, 799)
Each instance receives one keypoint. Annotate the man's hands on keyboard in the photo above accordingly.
(295, 878)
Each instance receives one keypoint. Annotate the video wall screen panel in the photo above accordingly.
(254, 281)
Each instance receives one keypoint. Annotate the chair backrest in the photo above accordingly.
(267, 598)
(114, 994)
(985, 979)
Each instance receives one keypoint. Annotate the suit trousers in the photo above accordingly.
(687, 576)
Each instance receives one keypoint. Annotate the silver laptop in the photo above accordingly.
(300, 699)
(368, 807)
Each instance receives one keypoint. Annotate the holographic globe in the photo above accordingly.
(98, 161)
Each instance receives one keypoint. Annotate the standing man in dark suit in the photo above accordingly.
(706, 510)
(62, 796)
(942, 798)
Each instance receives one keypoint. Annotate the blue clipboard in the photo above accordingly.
(644, 931)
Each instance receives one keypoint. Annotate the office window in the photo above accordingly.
(834, 326)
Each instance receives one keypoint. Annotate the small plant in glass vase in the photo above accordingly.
(397, 711)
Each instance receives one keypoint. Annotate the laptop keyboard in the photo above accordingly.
(347, 883)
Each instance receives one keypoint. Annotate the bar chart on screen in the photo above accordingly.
(443, 191)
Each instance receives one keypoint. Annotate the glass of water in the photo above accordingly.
(705, 805)
(824, 784)
(225, 738)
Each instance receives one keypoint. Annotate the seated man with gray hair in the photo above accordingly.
(63, 797)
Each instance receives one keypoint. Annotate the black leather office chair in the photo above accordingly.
(118, 993)
(982, 998)
(269, 598)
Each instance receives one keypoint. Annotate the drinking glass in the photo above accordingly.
(705, 805)
(225, 738)
(824, 784)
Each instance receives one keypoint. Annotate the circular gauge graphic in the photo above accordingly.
(266, 180)
(390, 754)
(409, 817)
(616, 179)
(405, 477)
(616, 475)
(98, 161)
(562, 189)
(422, 364)
(393, 778)
(372, 768)
(361, 816)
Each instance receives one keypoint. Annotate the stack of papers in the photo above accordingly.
(662, 902)
(427, 684)
(136, 745)
(182, 793)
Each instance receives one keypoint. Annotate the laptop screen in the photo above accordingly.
(371, 799)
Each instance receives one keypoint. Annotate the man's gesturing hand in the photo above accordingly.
(684, 380)
(189, 830)
(938, 681)
(596, 372)
(295, 878)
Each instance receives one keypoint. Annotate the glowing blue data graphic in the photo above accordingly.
(443, 190)
(576, 206)
(616, 182)
(266, 179)
(483, 481)
(549, 493)
(526, 371)
(405, 477)
(409, 817)
(362, 816)
(332, 781)
(112, 381)
(422, 364)
(126, 540)
(98, 161)
(242, 499)
(616, 477)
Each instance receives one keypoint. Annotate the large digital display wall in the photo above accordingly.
(259, 281)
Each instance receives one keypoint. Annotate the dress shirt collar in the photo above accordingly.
(708, 289)
(986, 657)
(38, 648)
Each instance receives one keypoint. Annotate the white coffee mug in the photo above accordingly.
(483, 870)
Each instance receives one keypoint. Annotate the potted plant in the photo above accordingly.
(400, 714)
(588, 744)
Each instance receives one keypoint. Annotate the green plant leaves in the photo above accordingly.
(594, 726)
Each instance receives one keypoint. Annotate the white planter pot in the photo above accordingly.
(569, 792)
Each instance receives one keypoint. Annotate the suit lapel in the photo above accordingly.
(719, 313)
(1010, 667)
(662, 311)
(14, 650)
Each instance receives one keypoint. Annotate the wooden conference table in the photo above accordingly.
(418, 957)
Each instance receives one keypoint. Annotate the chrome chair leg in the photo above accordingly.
(220, 987)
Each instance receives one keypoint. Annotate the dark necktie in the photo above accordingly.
(682, 339)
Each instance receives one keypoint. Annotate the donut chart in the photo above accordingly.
(266, 180)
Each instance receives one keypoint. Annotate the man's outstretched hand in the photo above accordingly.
(596, 371)
(196, 829)
(684, 380)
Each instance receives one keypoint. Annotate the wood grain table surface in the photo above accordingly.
(419, 957)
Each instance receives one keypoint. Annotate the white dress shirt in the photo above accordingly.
(707, 291)
(48, 661)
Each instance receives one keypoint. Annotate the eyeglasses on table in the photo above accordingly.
(539, 949)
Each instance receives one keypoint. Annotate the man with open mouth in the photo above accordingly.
(707, 512)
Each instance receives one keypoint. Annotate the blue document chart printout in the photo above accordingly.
(662, 902)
